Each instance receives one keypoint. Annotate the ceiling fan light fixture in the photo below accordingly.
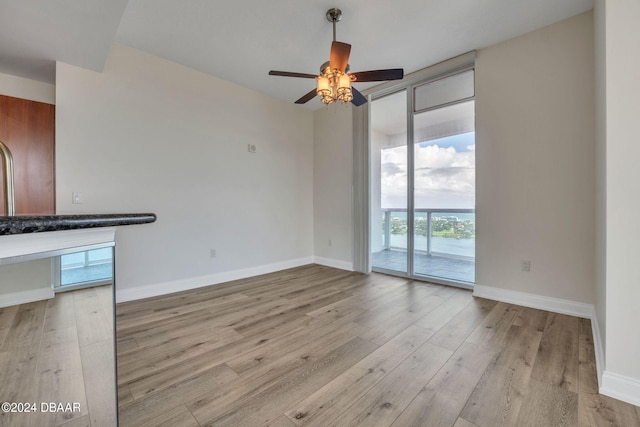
(344, 88)
(324, 88)
(334, 86)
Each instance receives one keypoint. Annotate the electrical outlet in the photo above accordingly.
(213, 253)
(525, 265)
(76, 198)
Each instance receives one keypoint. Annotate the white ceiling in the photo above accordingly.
(241, 41)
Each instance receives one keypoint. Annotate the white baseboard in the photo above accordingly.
(555, 305)
(620, 387)
(24, 297)
(335, 263)
(135, 293)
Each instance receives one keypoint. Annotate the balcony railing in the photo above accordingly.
(455, 230)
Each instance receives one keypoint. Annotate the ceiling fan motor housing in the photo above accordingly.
(326, 64)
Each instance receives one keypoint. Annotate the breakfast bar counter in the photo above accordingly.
(22, 224)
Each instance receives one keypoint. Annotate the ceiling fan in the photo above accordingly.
(334, 80)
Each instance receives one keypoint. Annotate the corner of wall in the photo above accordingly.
(620, 387)
(540, 302)
(598, 345)
(599, 321)
(335, 263)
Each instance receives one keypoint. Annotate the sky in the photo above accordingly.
(444, 174)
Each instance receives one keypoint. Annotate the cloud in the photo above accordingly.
(390, 169)
(443, 177)
(433, 156)
(443, 172)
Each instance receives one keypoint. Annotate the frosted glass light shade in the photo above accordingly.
(323, 89)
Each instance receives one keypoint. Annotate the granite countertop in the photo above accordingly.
(22, 224)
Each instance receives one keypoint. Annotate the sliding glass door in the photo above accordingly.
(422, 181)
(389, 180)
(444, 193)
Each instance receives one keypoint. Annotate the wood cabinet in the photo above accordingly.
(28, 129)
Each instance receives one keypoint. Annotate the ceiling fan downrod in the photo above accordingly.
(334, 15)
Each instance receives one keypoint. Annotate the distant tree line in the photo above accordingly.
(450, 227)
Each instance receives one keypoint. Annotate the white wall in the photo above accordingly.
(535, 161)
(19, 87)
(149, 135)
(332, 185)
(622, 92)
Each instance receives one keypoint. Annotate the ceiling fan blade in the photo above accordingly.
(339, 57)
(306, 98)
(289, 74)
(378, 75)
(358, 98)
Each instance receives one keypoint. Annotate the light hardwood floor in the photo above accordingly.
(316, 346)
(60, 351)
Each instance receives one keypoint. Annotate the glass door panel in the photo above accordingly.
(444, 193)
(389, 178)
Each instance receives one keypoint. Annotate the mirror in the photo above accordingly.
(57, 359)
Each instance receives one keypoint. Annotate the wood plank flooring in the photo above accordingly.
(316, 346)
(60, 350)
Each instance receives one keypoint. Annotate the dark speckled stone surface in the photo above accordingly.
(39, 223)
